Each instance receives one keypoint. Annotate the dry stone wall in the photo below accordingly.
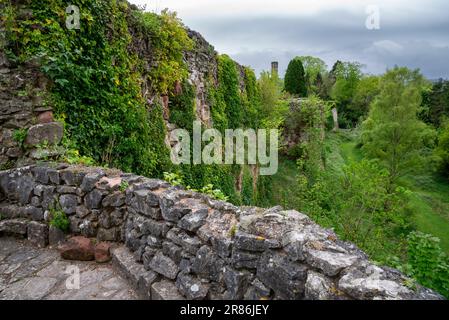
(26, 122)
(180, 244)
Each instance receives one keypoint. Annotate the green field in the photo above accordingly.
(430, 201)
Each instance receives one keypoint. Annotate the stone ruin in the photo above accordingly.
(176, 244)
(168, 242)
(274, 68)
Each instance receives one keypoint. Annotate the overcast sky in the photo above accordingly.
(413, 33)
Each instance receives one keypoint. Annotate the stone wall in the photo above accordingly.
(202, 64)
(26, 108)
(26, 121)
(203, 68)
(191, 246)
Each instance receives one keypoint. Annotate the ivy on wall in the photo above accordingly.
(169, 40)
(231, 107)
(226, 102)
(182, 107)
(104, 75)
(97, 76)
(251, 100)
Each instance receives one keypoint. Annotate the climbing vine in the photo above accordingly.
(106, 77)
(227, 104)
(97, 75)
(169, 40)
(182, 107)
(251, 100)
(231, 107)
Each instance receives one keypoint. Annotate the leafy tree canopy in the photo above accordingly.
(315, 69)
(393, 133)
(295, 80)
(366, 91)
(436, 103)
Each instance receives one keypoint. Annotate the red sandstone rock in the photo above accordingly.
(78, 248)
(45, 117)
(106, 183)
(102, 252)
(178, 88)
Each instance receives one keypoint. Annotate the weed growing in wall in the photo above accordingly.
(20, 136)
(59, 219)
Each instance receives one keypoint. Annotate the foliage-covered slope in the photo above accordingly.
(111, 77)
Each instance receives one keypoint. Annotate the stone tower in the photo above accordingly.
(275, 68)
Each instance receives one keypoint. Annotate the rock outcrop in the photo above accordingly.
(181, 244)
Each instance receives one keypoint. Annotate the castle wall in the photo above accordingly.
(191, 244)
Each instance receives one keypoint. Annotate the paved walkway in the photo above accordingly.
(29, 273)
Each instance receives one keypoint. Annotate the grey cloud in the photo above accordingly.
(432, 61)
(332, 35)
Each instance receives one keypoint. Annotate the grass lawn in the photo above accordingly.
(430, 200)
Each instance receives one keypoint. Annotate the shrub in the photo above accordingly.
(428, 262)
(393, 134)
(358, 204)
(59, 219)
(436, 103)
(72, 156)
(176, 180)
(173, 178)
(214, 193)
(123, 186)
(20, 136)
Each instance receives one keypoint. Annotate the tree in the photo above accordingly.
(314, 69)
(269, 92)
(356, 202)
(442, 151)
(393, 133)
(347, 76)
(271, 113)
(436, 103)
(366, 90)
(429, 264)
(308, 119)
(295, 80)
(333, 73)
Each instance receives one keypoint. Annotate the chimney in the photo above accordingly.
(274, 68)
